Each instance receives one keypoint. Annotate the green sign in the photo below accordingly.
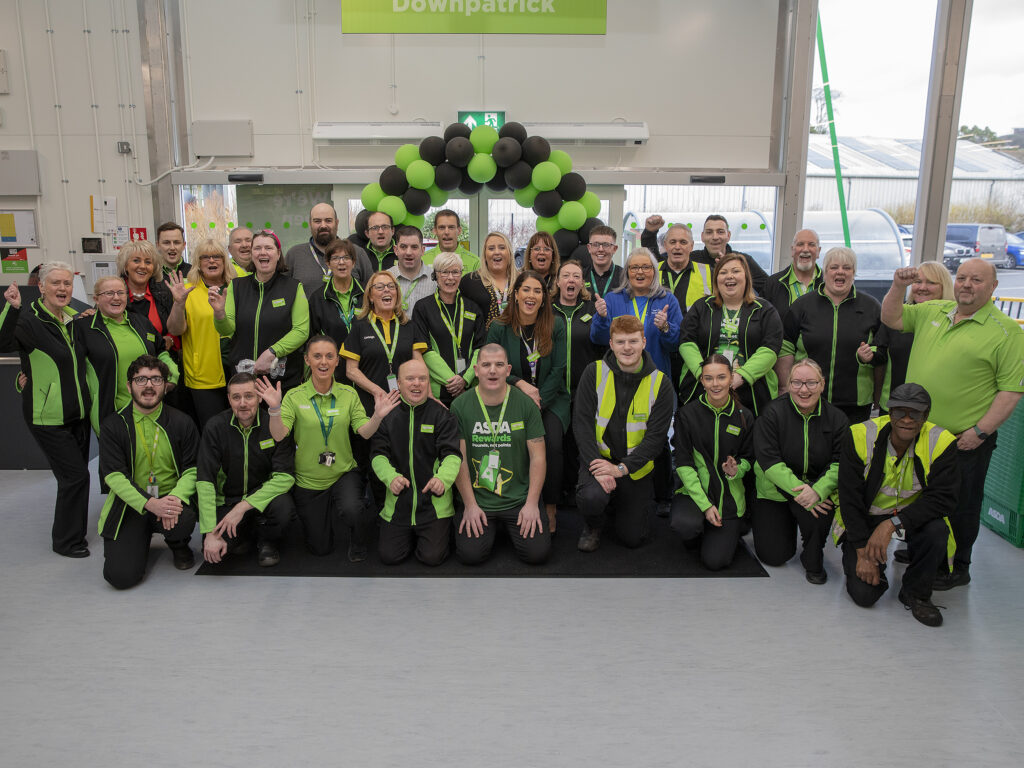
(473, 119)
(505, 17)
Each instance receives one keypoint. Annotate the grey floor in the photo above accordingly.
(205, 671)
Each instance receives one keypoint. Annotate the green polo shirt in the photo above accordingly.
(129, 347)
(963, 366)
(797, 289)
(300, 416)
(470, 261)
(153, 452)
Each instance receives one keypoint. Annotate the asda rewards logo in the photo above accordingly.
(538, 17)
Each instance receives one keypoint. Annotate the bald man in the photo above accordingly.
(800, 277)
(416, 454)
(307, 263)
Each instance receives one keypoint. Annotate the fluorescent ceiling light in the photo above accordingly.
(375, 133)
(616, 133)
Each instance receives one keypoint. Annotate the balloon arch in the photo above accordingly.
(539, 177)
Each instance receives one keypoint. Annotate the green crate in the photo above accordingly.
(1005, 478)
(1004, 519)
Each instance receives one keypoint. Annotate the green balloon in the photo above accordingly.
(438, 196)
(393, 207)
(591, 204)
(546, 176)
(414, 221)
(483, 138)
(572, 215)
(548, 224)
(562, 160)
(482, 167)
(406, 154)
(526, 195)
(420, 174)
(371, 196)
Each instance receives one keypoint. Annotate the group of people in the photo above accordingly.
(444, 395)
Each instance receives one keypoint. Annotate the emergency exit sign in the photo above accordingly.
(473, 119)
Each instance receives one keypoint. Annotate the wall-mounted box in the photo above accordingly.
(222, 138)
(19, 172)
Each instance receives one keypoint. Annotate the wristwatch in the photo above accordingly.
(981, 435)
(896, 523)
(622, 469)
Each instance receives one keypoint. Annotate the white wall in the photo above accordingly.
(30, 117)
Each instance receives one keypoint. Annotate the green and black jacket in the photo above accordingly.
(57, 392)
(417, 443)
(117, 463)
(704, 437)
(101, 359)
(326, 316)
(236, 465)
(580, 351)
(440, 355)
(778, 290)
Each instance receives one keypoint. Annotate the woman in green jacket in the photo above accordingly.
(534, 338)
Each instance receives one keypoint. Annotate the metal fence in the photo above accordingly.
(1012, 307)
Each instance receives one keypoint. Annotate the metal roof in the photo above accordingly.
(901, 158)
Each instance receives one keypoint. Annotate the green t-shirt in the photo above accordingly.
(521, 422)
(470, 261)
(299, 415)
(963, 366)
(153, 452)
(129, 348)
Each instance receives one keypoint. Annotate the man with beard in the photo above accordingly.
(240, 248)
(170, 243)
(803, 275)
(306, 261)
(148, 459)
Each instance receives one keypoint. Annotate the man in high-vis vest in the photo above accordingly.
(898, 474)
(621, 418)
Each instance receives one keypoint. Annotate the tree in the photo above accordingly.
(977, 135)
(819, 111)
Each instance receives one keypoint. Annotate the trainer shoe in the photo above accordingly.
(924, 610)
(816, 577)
(183, 557)
(590, 539)
(947, 580)
(267, 555)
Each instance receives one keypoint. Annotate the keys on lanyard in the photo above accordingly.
(532, 356)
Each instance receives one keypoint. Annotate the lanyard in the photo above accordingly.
(408, 293)
(324, 428)
(483, 408)
(667, 274)
(636, 310)
(531, 356)
(346, 317)
(389, 351)
(319, 262)
(607, 281)
(151, 453)
(450, 325)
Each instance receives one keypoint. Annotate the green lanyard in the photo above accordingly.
(607, 281)
(151, 453)
(408, 293)
(325, 429)
(456, 336)
(346, 317)
(483, 408)
(390, 352)
(667, 274)
(636, 310)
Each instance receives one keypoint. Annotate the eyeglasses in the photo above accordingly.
(451, 273)
(600, 246)
(380, 228)
(813, 384)
(898, 414)
(142, 381)
(384, 287)
(640, 268)
(113, 294)
(216, 256)
(341, 257)
(541, 249)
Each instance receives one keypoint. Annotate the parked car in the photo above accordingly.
(952, 254)
(1015, 247)
(987, 241)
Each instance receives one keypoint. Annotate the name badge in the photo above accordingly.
(428, 428)
(516, 425)
(305, 407)
(732, 429)
(150, 337)
(639, 416)
(533, 357)
(268, 443)
(277, 303)
(332, 412)
(392, 383)
(460, 366)
(587, 317)
(469, 315)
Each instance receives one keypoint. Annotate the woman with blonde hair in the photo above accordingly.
(141, 266)
(490, 285)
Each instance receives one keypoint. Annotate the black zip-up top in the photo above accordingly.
(759, 329)
(57, 393)
(599, 285)
(326, 316)
(580, 351)
(161, 298)
(776, 290)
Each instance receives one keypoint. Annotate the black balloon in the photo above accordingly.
(582, 255)
(536, 150)
(572, 186)
(447, 177)
(513, 131)
(507, 152)
(498, 183)
(588, 225)
(566, 240)
(519, 175)
(416, 201)
(393, 181)
(456, 129)
(469, 187)
(547, 203)
(459, 151)
(432, 150)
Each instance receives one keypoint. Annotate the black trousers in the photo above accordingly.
(473, 551)
(431, 541)
(717, 543)
(775, 524)
(207, 403)
(124, 558)
(268, 525)
(927, 549)
(553, 434)
(570, 468)
(629, 506)
(664, 477)
(318, 512)
(67, 450)
(967, 518)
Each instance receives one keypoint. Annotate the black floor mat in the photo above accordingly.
(662, 557)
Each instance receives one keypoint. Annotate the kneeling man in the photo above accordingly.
(503, 464)
(250, 475)
(148, 460)
(897, 473)
(416, 455)
(621, 418)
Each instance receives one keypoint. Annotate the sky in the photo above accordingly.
(878, 54)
